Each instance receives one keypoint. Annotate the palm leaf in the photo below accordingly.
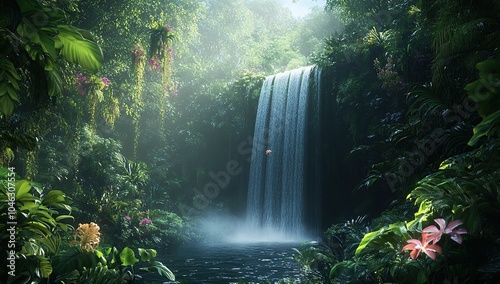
(74, 258)
(52, 243)
(427, 102)
(100, 275)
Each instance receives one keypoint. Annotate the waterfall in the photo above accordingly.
(282, 182)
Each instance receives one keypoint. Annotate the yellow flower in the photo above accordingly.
(87, 236)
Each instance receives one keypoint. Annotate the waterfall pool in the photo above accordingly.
(224, 263)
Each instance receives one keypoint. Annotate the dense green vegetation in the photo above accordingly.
(119, 116)
(417, 85)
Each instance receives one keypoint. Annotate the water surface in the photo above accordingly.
(263, 262)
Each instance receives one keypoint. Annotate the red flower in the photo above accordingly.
(417, 246)
(434, 234)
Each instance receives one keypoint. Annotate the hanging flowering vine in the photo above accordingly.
(161, 61)
(139, 65)
(91, 87)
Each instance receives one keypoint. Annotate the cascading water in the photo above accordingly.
(279, 188)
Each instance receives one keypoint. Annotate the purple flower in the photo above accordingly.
(81, 83)
(145, 221)
(154, 63)
(127, 217)
(138, 53)
(106, 81)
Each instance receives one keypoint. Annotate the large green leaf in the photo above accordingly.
(146, 254)
(100, 275)
(46, 41)
(127, 257)
(487, 127)
(45, 266)
(6, 105)
(54, 80)
(7, 66)
(22, 188)
(161, 269)
(114, 261)
(74, 258)
(78, 49)
(368, 238)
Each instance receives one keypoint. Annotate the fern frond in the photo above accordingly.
(426, 101)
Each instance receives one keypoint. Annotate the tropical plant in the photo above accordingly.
(34, 36)
(315, 260)
(108, 265)
(465, 188)
(484, 92)
(38, 219)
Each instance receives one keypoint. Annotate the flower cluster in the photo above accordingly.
(105, 81)
(84, 84)
(87, 236)
(431, 235)
(141, 221)
(171, 55)
(138, 53)
(145, 221)
(390, 78)
(154, 63)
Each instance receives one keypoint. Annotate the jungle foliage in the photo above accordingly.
(75, 77)
(121, 115)
(422, 129)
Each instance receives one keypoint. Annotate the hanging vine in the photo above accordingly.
(134, 110)
(92, 87)
(161, 60)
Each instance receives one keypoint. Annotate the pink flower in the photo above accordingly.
(268, 152)
(105, 81)
(434, 234)
(417, 246)
(82, 82)
(154, 63)
(138, 53)
(127, 217)
(145, 221)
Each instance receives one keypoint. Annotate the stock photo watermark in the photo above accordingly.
(426, 147)
(11, 221)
